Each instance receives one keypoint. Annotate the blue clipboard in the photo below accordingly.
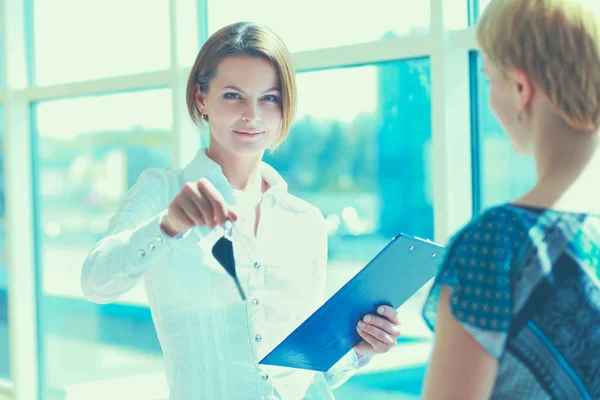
(392, 277)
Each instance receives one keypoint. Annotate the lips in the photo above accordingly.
(249, 132)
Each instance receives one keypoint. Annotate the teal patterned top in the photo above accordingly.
(525, 286)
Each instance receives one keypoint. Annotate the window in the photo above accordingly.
(4, 361)
(315, 24)
(483, 4)
(475, 8)
(81, 40)
(187, 31)
(360, 150)
(90, 152)
(503, 175)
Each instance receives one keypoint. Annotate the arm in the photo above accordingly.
(460, 367)
(147, 224)
(470, 308)
(133, 241)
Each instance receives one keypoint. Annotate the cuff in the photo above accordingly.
(355, 361)
(148, 242)
(362, 361)
(203, 237)
(345, 368)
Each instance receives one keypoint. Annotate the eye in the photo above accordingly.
(231, 95)
(271, 97)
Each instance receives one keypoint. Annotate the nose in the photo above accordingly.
(251, 114)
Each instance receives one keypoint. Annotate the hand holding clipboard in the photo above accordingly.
(394, 275)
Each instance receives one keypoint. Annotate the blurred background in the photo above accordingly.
(393, 134)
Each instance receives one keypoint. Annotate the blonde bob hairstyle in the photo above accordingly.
(251, 39)
(557, 44)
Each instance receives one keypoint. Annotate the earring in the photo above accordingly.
(520, 116)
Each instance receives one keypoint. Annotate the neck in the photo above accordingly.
(563, 158)
(561, 153)
(242, 172)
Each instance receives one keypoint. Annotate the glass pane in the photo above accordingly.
(367, 165)
(91, 151)
(504, 175)
(482, 4)
(332, 23)
(79, 40)
(456, 14)
(187, 31)
(4, 360)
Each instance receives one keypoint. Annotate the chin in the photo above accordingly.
(248, 151)
(248, 148)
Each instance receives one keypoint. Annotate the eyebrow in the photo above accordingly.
(241, 91)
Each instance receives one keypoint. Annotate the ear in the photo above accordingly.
(523, 88)
(200, 99)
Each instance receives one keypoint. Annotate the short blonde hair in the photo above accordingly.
(557, 44)
(244, 38)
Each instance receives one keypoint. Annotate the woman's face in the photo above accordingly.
(504, 103)
(243, 104)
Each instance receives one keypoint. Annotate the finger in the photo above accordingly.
(379, 334)
(232, 214)
(377, 344)
(366, 337)
(200, 199)
(178, 219)
(384, 324)
(205, 209)
(390, 313)
(216, 200)
(191, 210)
(194, 205)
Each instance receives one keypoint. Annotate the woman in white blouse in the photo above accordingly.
(243, 86)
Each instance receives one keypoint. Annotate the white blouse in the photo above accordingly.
(211, 339)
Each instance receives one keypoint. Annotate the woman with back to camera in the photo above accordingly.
(516, 305)
(243, 87)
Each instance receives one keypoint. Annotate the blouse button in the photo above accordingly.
(142, 253)
(256, 265)
(265, 376)
(254, 302)
(151, 246)
(257, 338)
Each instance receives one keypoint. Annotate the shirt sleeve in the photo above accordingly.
(477, 268)
(134, 241)
(345, 368)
